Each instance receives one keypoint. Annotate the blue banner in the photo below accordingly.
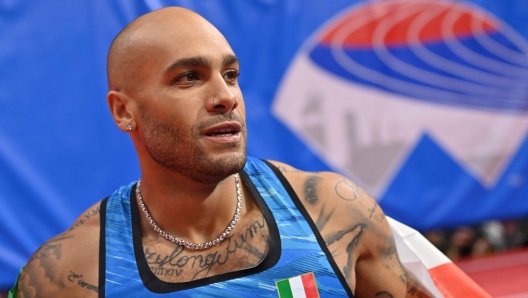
(422, 102)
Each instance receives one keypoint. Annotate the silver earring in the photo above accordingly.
(129, 127)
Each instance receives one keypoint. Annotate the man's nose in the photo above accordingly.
(222, 97)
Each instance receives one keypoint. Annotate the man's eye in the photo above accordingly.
(231, 75)
(187, 77)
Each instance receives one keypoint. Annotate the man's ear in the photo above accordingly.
(120, 106)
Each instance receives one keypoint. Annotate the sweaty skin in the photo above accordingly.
(173, 79)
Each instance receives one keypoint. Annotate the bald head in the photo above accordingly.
(134, 50)
(172, 78)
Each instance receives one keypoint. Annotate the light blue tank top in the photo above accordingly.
(295, 248)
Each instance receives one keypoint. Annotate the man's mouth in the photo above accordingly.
(223, 130)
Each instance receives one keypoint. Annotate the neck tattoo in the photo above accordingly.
(188, 244)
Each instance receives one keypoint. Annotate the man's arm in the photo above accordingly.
(67, 264)
(357, 234)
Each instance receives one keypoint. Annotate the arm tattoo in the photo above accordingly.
(373, 209)
(91, 213)
(284, 169)
(352, 245)
(341, 190)
(389, 253)
(353, 236)
(73, 277)
(357, 230)
(310, 191)
(48, 253)
(380, 216)
(46, 256)
(402, 277)
(323, 218)
(414, 287)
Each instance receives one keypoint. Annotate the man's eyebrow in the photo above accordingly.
(198, 61)
(230, 59)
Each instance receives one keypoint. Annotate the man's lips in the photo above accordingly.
(223, 129)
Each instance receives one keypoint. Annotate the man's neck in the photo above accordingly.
(190, 210)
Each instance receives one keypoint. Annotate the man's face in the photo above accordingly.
(191, 109)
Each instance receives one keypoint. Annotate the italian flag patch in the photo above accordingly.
(298, 286)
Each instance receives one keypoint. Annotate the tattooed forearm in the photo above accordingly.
(346, 190)
(310, 189)
(76, 278)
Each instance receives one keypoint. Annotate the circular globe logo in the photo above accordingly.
(378, 77)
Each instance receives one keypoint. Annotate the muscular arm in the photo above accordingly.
(67, 264)
(357, 234)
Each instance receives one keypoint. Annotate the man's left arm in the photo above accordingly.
(357, 234)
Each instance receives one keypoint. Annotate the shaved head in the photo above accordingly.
(140, 41)
(173, 86)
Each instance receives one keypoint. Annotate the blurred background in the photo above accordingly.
(421, 102)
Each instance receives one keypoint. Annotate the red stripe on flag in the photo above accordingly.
(310, 287)
(451, 281)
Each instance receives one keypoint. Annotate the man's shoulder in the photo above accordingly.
(326, 187)
(89, 219)
(66, 263)
(355, 230)
(329, 196)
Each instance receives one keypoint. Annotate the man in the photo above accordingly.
(205, 219)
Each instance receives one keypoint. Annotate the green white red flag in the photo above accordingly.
(302, 286)
(436, 272)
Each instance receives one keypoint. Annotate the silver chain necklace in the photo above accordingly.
(188, 244)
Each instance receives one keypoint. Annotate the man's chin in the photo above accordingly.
(233, 162)
(220, 166)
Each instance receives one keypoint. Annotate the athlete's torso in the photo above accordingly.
(294, 247)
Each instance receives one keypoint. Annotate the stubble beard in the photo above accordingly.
(179, 150)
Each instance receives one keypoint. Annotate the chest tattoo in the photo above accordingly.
(239, 251)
